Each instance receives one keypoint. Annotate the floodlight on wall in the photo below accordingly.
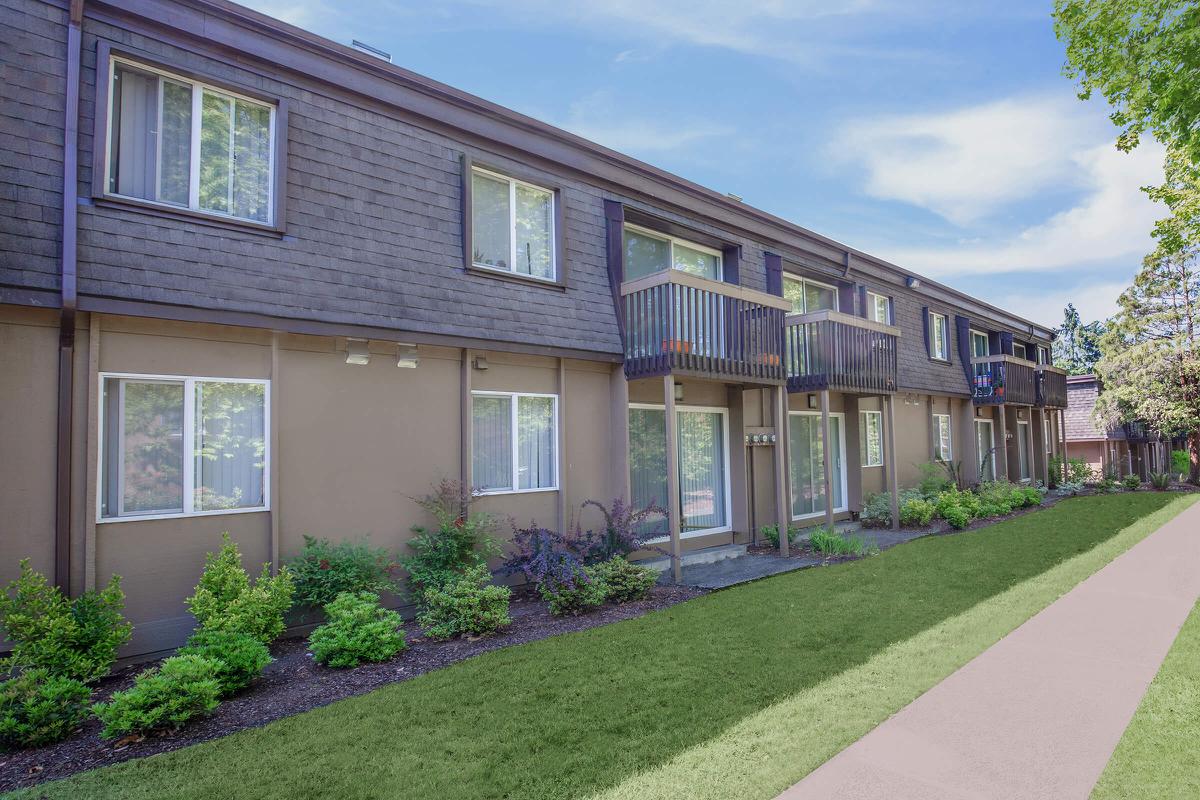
(812, 401)
(679, 393)
(358, 351)
(481, 362)
(406, 356)
(912, 281)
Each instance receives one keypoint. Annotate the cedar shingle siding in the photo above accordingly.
(1081, 399)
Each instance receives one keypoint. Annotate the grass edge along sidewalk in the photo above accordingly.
(767, 753)
(1157, 755)
(569, 716)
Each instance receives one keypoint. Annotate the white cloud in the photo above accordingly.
(601, 118)
(1092, 300)
(967, 163)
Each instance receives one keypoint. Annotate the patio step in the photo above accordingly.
(707, 555)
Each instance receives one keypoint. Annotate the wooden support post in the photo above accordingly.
(465, 428)
(1001, 445)
(674, 505)
(827, 457)
(783, 503)
(619, 414)
(276, 458)
(1043, 447)
(889, 403)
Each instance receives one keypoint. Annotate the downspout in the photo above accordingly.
(66, 330)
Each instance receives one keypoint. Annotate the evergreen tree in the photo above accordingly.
(1076, 345)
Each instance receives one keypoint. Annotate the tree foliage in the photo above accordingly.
(1143, 56)
(1077, 344)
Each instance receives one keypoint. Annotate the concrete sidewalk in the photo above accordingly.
(1038, 714)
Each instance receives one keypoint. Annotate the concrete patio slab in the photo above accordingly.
(1038, 714)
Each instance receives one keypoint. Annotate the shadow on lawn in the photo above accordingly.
(568, 716)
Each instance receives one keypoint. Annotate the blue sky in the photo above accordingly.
(940, 136)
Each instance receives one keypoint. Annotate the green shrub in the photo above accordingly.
(1108, 483)
(917, 512)
(877, 511)
(180, 689)
(935, 478)
(240, 658)
(226, 601)
(38, 708)
(1132, 482)
(325, 569)
(75, 639)
(358, 630)
(830, 542)
(460, 541)
(956, 515)
(1181, 463)
(577, 594)
(624, 582)
(1161, 481)
(951, 499)
(1079, 471)
(771, 534)
(997, 498)
(469, 605)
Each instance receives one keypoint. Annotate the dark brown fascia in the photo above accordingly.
(285, 49)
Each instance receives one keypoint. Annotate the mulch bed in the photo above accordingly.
(293, 683)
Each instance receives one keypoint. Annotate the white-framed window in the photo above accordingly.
(879, 308)
(648, 252)
(1043, 354)
(181, 446)
(939, 336)
(183, 143)
(1019, 351)
(1023, 450)
(871, 439)
(942, 450)
(514, 442)
(985, 446)
(512, 226)
(1047, 441)
(807, 295)
(980, 348)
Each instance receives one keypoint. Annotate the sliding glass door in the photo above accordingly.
(807, 468)
(703, 467)
(1023, 449)
(985, 448)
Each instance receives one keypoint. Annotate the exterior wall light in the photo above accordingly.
(481, 362)
(406, 357)
(679, 392)
(812, 401)
(912, 281)
(358, 351)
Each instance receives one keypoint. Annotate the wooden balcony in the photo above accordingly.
(1136, 431)
(840, 352)
(1051, 387)
(676, 323)
(1004, 379)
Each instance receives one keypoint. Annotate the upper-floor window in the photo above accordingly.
(879, 308)
(175, 446)
(939, 336)
(1019, 351)
(512, 225)
(647, 252)
(807, 295)
(1043, 354)
(979, 345)
(183, 143)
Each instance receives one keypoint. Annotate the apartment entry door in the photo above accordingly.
(807, 450)
(984, 447)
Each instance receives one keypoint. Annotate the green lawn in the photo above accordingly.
(576, 715)
(1159, 754)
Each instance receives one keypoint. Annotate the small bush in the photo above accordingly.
(226, 601)
(957, 516)
(180, 689)
(581, 593)
(917, 512)
(1161, 481)
(1132, 482)
(358, 630)
(461, 540)
(37, 708)
(1069, 488)
(1033, 496)
(830, 542)
(544, 557)
(624, 582)
(1107, 484)
(935, 478)
(75, 639)
(325, 569)
(952, 501)
(467, 606)
(1079, 471)
(771, 534)
(240, 658)
(1181, 463)
(623, 530)
(877, 511)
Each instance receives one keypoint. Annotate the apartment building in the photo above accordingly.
(1132, 448)
(255, 281)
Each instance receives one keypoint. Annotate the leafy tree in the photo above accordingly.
(1143, 56)
(1151, 363)
(1077, 345)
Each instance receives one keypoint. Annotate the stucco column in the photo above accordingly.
(889, 406)
(674, 503)
(783, 501)
(827, 457)
(1001, 442)
(1041, 446)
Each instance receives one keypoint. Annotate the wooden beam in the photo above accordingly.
(889, 403)
(674, 504)
(783, 504)
(827, 457)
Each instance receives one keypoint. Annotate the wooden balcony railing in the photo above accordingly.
(828, 350)
(1136, 431)
(1004, 379)
(679, 323)
(1051, 386)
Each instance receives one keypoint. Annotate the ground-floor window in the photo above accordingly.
(174, 446)
(514, 442)
(703, 466)
(985, 447)
(806, 450)
(871, 444)
(942, 450)
(1023, 449)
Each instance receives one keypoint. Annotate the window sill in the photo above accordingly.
(937, 360)
(199, 217)
(504, 275)
(503, 492)
(182, 515)
(871, 466)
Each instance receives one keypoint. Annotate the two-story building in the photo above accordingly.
(255, 281)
